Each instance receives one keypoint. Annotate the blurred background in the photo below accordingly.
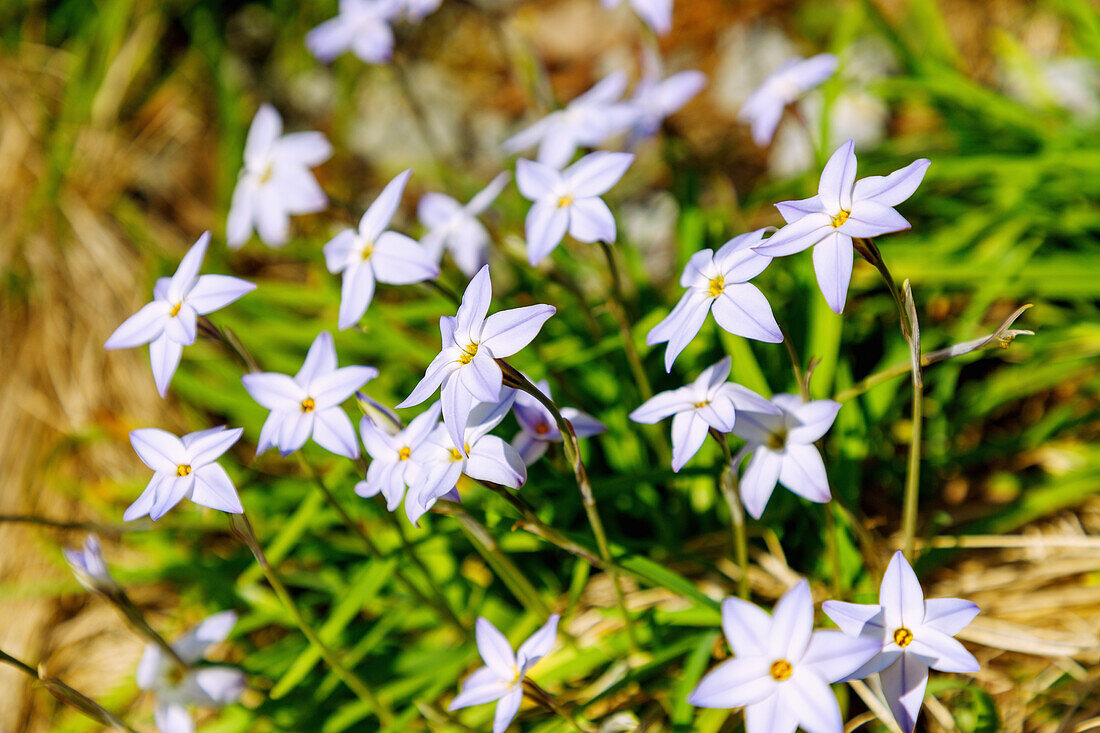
(121, 131)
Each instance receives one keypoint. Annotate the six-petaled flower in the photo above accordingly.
(455, 227)
(362, 27)
(397, 460)
(764, 107)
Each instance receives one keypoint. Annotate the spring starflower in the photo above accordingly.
(843, 208)
(455, 227)
(308, 404)
(764, 107)
(397, 460)
(657, 14)
(362, 27)
(569, 200)
(708, 402)
(373, 254)
(501, 679)
(587, 121)
(655, 98)
(718, 283)
(781, 442)
(537, 427)
(184, 468)
(465, 369)
(782, 668)
(276, 180)
(88, 566)
(206, 686)
(169, 322)
(484, 458)
(911, 635)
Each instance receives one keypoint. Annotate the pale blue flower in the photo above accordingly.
(501, 679)
(308, 404)
(656, 98)
(455, 227)
(170, 321)
(88, 566)
(398, 458)
(843, 208)
(718, 283)
(911, 634)
(569, 200)
(764, 107)
(362, 27)
(781, 669)
(537, 427)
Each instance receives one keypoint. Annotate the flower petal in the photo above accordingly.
(208, 446)
(470, 317)
(871, 219)
(494, 649)
(492, 459)
(536, 180)
(891, 190)
(479, 688)
(141, 328)
(792, 211)
(507, 708)
(807, 422)
(164, 356)
(771, 715)
(158, 449)
(662, 405)
(333, 431)
(838, 178)
(733, 683)
(274, 391)
(743, 310)
(356, 292)
(803, 472)
(591, 221)
(833, 260)
(793, 238)
(187, 273)
(949, 615)
(483, 198)
(834, 655)
(457, 403)
(333, 388)
(758, 481)
(320, 360)
(213, 292)
(813, 702)
(400, 260)
(942, 652)
(214, 489)
(856, 619)
(266, 127)
(746, 627)
(377, 217)
(792, 623)
(539, 644)
(689, 431)
(308, 149)
(596, 172)
(903, 685)
(901, 595)
(506, 332)
(544, 228)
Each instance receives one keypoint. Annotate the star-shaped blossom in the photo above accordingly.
(708, 402)
(308, 404)
(184, 468)
(465, 369)
(455, 227)
(718, 283)
(362, 27)
(537, 427)
(587, 121)
(397, 460)
(484, 458)
(373, 254)
(657, 14)
(501, 679)
(781, 669)
(569, 200)
(276, 180)
(764, 107)
(843, 208)
(170, 321)
(205, 686)
(781, 442)
(655, 98)
(88, 566)
(911, 634)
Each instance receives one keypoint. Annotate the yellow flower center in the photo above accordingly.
(404, 454)
(781, 670)
(468, 354)
(840, 218)
(183, 470)
(266, 175)
(701, 404)
(903, 637)
(175, 310)
(367, 251)
(717, 285)
(776, 441)
(456, 455)
(564, 201)
(308, 404)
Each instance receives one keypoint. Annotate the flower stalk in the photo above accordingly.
(544, 698)
(727, 484)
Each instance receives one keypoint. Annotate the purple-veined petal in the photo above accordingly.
(662, 405)
(164, 357)
(792, 211)
(297, 189)
(333, 388)
(668, 325)
(793, 238)
(871, 219)
(214, 489)
(746, 627)
(479, 688)
(356, 293)
(469, 245)
(855, 619)
(266, 127)
(942, 652)
(903, 685)
(689, 321)
(320, 360)
(529, 136)
(421, 426)
(494, 649)
(274, 391)
(949, 615)
(492, 459)
(733, 683)
(811, 699)
(792, 623)
(758, 481)
(488, 415)
(544, 228)
(539, 644)
(506, 332)
(144, 326)
(188, 271)
(308, 149)
(333, 431)
(536, 180)
(718, 414)
(834, 655)
(400, 260)
(837, 179)
(507, 707)
(158, 449)
(833, 260)
(737, 260)
(208, 447)
(442, 366)
(182, 327)
(901, 595)
(269, 431)
(212, 292)
(481, 378)
(699, 269)
(148, 497)
(689, 432)
(803, 472)
(596, 172)
(743, 310)
(172, 492)
(893, 189)
(295, 431)
(756, 406)
(380, 445)
(475, 305)
(591, 221)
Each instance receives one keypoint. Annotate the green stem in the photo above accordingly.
(117, 597)
(514, 378)
(727, 484)
(544, 698)
(73, 698)
(243, 529)
(617, 305)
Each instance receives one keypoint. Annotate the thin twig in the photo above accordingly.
(727, 484)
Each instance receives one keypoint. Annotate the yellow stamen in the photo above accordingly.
(903, 637)
(776, 441)
(266, 175)
(717, 285)
(701, 404)
(468, 354)
(564, 201)
(183, 470)
(175, 310)
(367, 251)
(308, 404)
(781, 670)
(455, 454)
(840, 218)
(404, 454)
